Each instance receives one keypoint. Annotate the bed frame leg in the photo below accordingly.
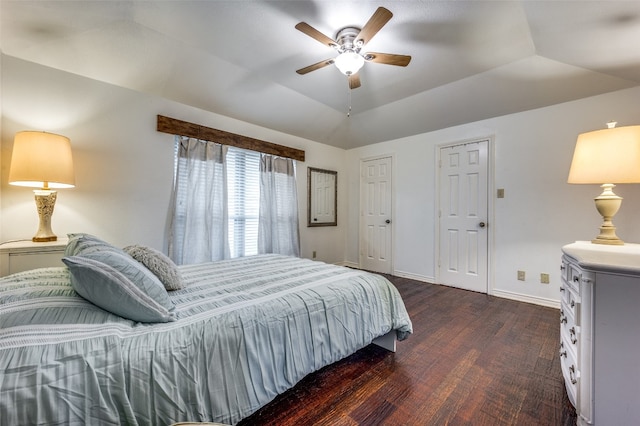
(388, 341)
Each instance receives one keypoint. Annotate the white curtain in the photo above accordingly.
(278, 220)
(198, 223)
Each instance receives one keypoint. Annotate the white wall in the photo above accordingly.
(123, 165)
(540, 212)
(124, 172)
(1, 56)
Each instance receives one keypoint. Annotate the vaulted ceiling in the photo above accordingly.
(471, 60)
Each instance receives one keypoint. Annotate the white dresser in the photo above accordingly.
(18, 256)
(600, 332)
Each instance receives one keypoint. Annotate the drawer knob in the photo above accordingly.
(576, 279)
(572, 375)
(574, 338)
(563, 354)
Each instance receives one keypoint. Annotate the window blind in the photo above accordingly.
(243, 185)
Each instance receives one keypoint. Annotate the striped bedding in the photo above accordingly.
(247, 329)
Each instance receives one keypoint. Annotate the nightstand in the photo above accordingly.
(18, 256)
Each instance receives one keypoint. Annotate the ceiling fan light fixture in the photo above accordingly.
(349, 62)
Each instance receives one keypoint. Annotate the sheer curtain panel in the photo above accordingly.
(278, 224)
(198, 223)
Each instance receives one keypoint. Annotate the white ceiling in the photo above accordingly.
(471, 60)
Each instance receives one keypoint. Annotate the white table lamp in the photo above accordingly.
(607, 157)
(42, 160)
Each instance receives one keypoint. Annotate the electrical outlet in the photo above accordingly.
(313, 256)
(544, 278)
(520, 275)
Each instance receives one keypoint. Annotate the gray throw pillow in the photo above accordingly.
(119, 284)
(160, 264)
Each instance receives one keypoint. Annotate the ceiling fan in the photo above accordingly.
(349, 42)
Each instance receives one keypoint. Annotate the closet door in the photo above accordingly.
(463, 212)
(375, 215)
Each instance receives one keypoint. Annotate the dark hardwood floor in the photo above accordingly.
(472, 360)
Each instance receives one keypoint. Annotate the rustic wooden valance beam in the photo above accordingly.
(184, 128)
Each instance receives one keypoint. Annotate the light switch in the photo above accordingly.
(500, 192)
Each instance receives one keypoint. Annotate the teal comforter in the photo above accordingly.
(247, 330)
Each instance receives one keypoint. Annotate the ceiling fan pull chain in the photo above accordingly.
(349, 110)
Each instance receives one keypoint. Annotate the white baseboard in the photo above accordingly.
(497, 293)
(416, 277)
(528, 299)
(395, 273)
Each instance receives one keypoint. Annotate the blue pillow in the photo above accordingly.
(80, 244)
(119, 284)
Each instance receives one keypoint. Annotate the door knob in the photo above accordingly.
(482, 224)
(387, 221)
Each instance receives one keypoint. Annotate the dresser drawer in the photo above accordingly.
(569, 301)
(24, 262)
(574, 276)
(570, 372)
(569, 343)
(565, 270)
(570, 336)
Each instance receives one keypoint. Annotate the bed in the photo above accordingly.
(239, 333)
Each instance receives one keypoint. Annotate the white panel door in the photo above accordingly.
(463, 211)
(375, 215)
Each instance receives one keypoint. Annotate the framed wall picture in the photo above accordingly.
(322, 190)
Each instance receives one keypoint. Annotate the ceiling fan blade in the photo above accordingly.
(315, 66)
(379, 18)
(388, 58)
(313, 33)
(354, 81)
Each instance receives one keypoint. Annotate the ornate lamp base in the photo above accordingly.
(608, 204)
(45, 202)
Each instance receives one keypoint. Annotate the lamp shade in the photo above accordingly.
(607, 156)
(41, 159)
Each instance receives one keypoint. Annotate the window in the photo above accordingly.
(218, 211)
(243, 186)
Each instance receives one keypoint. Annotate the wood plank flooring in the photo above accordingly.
(472, 360)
